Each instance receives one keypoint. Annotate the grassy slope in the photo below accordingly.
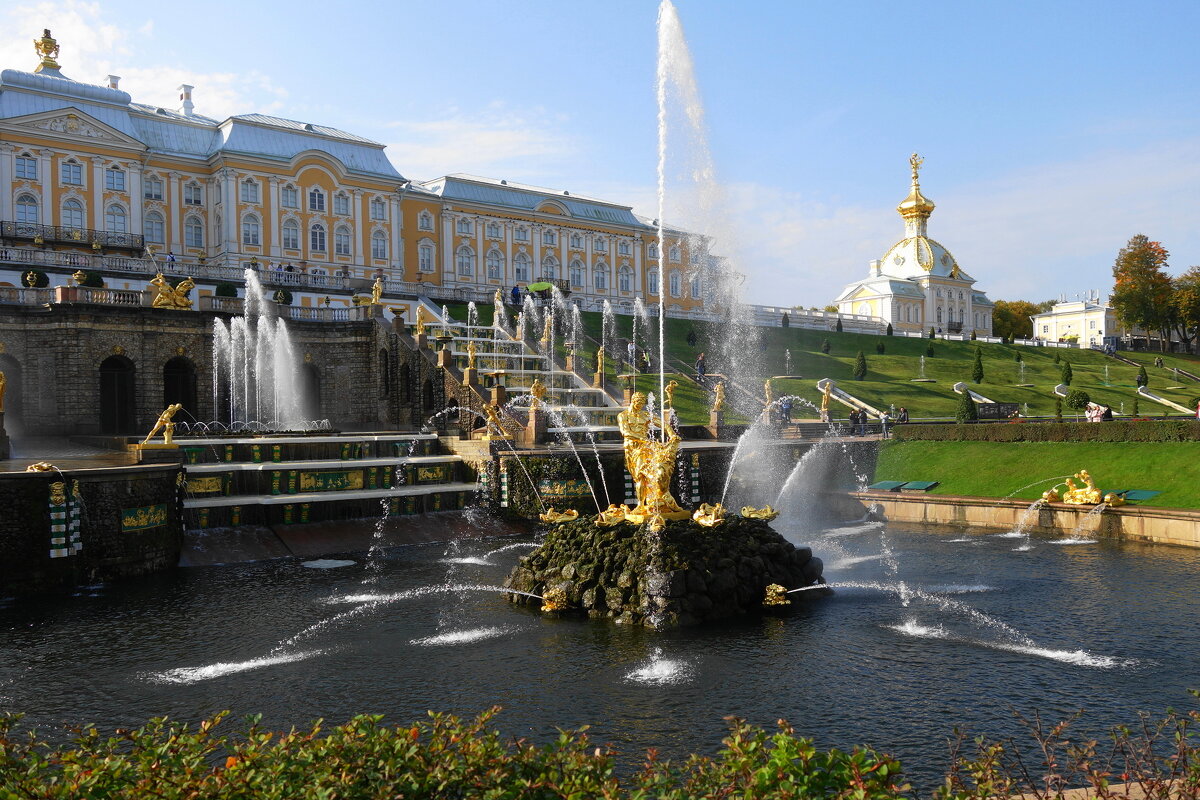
(889, 376)
(995, 469)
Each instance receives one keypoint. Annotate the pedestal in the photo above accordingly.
(159, 453)
(5, 445)
(470, 376)
(570, 362)
(445, 357)
(598, 380)
(536, 431)
(627, 394)
(422, 340)
(499, 396)
(716, 422)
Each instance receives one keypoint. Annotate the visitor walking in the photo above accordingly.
(516, 296)
(701, 365)
(853, 420)
(884, 419)
(862, 423)
(785, 407)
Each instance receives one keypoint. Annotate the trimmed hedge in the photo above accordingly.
(1174, 430)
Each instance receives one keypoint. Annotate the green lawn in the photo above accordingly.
(997, 469)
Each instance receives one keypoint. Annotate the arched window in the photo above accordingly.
(72, 214)
(27, 209)
(154, 229)
(425, 257)
(939, 313)
(600, 275)
(694, 289)
(625, 279)
(291, 235)
(193, 232)
(465, 261)
(341, 240)
(652, 281)
(424, 221)
(549, 268)
(378, 210)
(577, 273)
(495, 264)
(249, 191)
(676, 283)
(379, 246)
(341, 204)
(115, 220)
(289, 197)
(316, 202)
(316, 237)
(521, 267)
(251, 231)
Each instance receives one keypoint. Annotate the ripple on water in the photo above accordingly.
(1081, 658)
(463, 637)
(187, 675)
(659, 671)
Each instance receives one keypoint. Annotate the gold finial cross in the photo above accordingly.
(915, 161)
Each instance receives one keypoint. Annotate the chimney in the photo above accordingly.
(876, 268)
(185, 100)
(114, 81)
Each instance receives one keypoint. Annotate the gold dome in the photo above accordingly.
(916, 204)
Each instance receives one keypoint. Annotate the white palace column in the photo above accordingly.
(395, 221)
(535, 272)
(46, 179)
(6, 180)
(360, 252)
(135, 199)
(97, 193)
(480, 271)
(638, 267)
(229, 224)
(273, 216)
(174, 204)
(448, 224)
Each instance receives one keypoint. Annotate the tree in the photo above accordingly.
(830, 308)
(889, 329)
(1135, 411)
(225, 289)
(932, 334)
(94, 280)
(966, 411)
(929, 350)
(1141, 293)
(1057, 358)
(1185, 302)
(825, 346)
(973, 336)
(1011, 318)
(1018, 358)
(786, 321)
(839, 325)
(977, 367)
(1067, 375)
(1078, 399)
(1058, 409)
(860, 366)
(1142, 379)
(879, 348)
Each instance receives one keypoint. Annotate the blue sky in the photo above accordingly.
(1052, 132)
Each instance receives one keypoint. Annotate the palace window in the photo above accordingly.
(465, 260)
(600, 276)
(341, 204)
(600, 245)
(291, 235)
(521, 234)
(577, 273)
(425, 258)
(939, 313)
(625, 279)
(652, 251)
(378, 210)
(316, 201)
(249, 191)
(154, 229)
(72, 173)
(27, 168)
(549, 238)
(114, 179)
(251, 231)
(675, 253)
(652, 281)
(623, 248)
(72, 214)
(521, 267)
(495, 264)
(341, 241)
(549, 268)
(152, 189)
(316, 237)
(576, 241)
(694, 288)
(676, 283)
(493, 230)
(27, 209)
(379, 245)
(115, 219)
(289, 197)
(463, 226)
(193, 232)
(193, 195)
(424, 221)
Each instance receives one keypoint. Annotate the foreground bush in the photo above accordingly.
(1174, 430)
(443, 757)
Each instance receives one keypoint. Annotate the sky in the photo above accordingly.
(1052, 132)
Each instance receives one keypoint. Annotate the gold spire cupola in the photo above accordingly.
(47, 48)
(915, 208)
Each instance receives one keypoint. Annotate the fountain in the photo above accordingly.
(921, 374)
(1021, 375)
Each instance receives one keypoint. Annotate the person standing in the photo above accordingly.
(516, 295)
(902, 416)
(700, 368)
(785, 407)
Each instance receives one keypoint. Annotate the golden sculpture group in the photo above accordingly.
(166, 424)
(1087, 494)
(168, 296)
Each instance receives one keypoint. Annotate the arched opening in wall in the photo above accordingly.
(179, 385)
(427, 395)
(310, 392)
(118, 395)
(385, 373)
(405, 379)
(12, 405)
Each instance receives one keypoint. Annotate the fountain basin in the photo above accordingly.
(684, 575)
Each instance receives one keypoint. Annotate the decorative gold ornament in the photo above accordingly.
(1087, 494)
(776, 595)
(765, 513)
(537, 390)
(555, 599)
(166, 424)
(30, 279)
(650, 462)
(555, 517)
(1052, 495)
(118, 350)
(58, 493)
(167, 296)
(710, 515)
(2, 348)
(41, 466)
(1114, 500)
(3, 389)
(495, 426)
(180, 350)
(768, 393)
(548, 330)
(470, 355)
(79, 277)
(47, 48)
(308, 358)
(420, 320)
(613, 515)
(719, 397)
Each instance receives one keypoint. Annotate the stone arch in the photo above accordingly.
(179, 385)
(13, 393)
(427, 395)
(385, 373)
(310, 391)
(118, 395)
(404, 383)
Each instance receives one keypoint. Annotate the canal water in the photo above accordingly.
(928, 631)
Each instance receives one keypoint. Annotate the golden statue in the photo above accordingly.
(47, 48)
(550, 515)
(3, 387)
(719, 397)
(167, 296)
(825, 400)
(494, 423)
(165, 424)
(537, 390)
(613, 515)
(376, 291)
(765, 513)
(669, 394)
(419, 323)
(42, 466)
(768, 393)
(710, 515)
(555, 599)
(1087, 494)
(915, 161)
(650, 462)
(548, 330)
(470, 355)
(776, 595)
(1052, 495)
(1114, 500)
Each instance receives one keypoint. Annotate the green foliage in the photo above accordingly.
(440, 757)
(1067, 374)
(1077, 399)
(889, 330)
(1174, 430)
(965, 411)
(1142, 379)
(860, 366)
(1017, 357)
(1057, 357)
(825, 346)
(929, 350)
(1011, 319)
(831, 308)
(786, 322)
(1135, 411)
(93, 279)
(839, 325)
(932, 333)
(225, 290)
(977, 367)
(880, 349)
(973, 336)
(1141, 293)
(40, 279)
(1058, 409)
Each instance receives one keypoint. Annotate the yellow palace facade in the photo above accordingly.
(90, 179)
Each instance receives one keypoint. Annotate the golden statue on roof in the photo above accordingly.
(47, 48)
(915, 161)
